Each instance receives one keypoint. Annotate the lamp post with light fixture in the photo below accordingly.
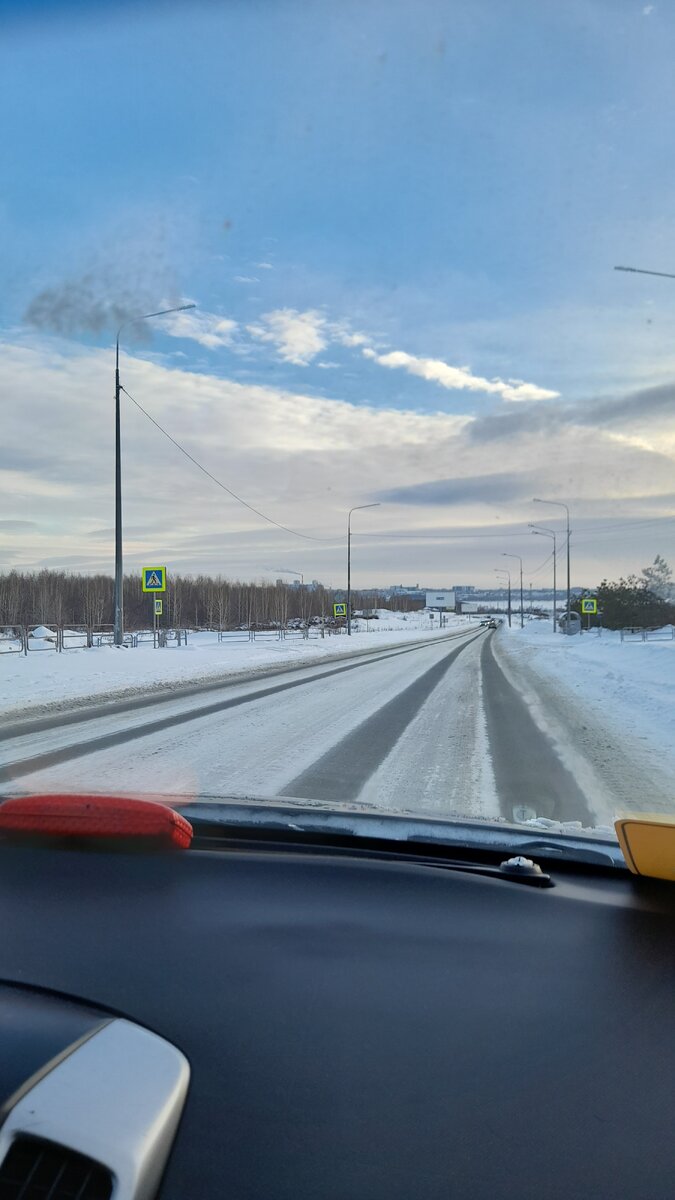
(357, 508)
(118, 602)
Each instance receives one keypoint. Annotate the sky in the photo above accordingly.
(398, 223)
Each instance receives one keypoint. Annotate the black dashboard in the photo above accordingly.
(360, 1025)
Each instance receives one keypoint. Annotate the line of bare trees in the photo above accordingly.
(200, 601)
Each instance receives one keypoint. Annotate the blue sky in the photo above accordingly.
(397, 207)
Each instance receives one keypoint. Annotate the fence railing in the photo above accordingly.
(41, 637)
(29, 639)
(76, 637)
(12, 639)
(634, 633)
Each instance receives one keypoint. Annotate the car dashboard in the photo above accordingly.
(287, 1016)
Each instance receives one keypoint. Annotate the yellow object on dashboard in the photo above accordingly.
(648, 844)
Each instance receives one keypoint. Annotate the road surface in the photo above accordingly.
(434, 728)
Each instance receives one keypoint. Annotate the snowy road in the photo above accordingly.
(433, 728)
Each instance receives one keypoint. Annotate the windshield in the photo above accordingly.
(338, 415)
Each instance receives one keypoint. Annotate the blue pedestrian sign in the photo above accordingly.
(339, 610)
(154, 579)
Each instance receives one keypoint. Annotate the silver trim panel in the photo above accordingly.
(117, 1098)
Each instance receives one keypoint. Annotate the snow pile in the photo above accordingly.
(571, 827)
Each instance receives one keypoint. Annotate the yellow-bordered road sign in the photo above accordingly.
(339, 610)
(589, 605)
(154, 579)
(159, 607)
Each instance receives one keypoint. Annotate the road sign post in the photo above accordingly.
(153, 580)
(158, 608)
(589, 606)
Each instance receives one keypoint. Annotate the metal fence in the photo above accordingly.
(28, 639)
(103, 635)
(32, 639)
(637, 634)
(36, 641)
(76, 637)
(179, 636)
(12, 639)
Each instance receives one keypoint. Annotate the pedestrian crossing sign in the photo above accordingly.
(154, 579)
(339, 610)
(589, 605)
(159, 607)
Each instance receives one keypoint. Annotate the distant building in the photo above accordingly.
(441, 601)
(413, 593)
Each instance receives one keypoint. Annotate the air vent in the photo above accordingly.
(115, 1101)
(37, 1170)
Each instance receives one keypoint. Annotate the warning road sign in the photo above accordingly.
(589, 605)
(339, 610)
(159, 607)
(154, 579)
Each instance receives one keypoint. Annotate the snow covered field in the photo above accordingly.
(616, 700)
(45, 678)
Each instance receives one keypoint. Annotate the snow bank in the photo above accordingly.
(627, 686)
(80, 674)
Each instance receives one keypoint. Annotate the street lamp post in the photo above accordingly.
(561, 504)
(505, 555)
(505, 571)
(541, 530)
(118, 602)
(356, 508)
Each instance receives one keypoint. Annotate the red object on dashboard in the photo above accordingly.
(98, 817)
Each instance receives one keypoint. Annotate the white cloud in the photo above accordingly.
(341, 332)
(206, 328)
(264, 266)
(328, 366)
(459, 378)
(304, 460)
(245, 279)
(298, 336)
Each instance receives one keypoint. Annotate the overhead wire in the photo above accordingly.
(618, 528)
(240, 500)
(585, 534)
(541, 567)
